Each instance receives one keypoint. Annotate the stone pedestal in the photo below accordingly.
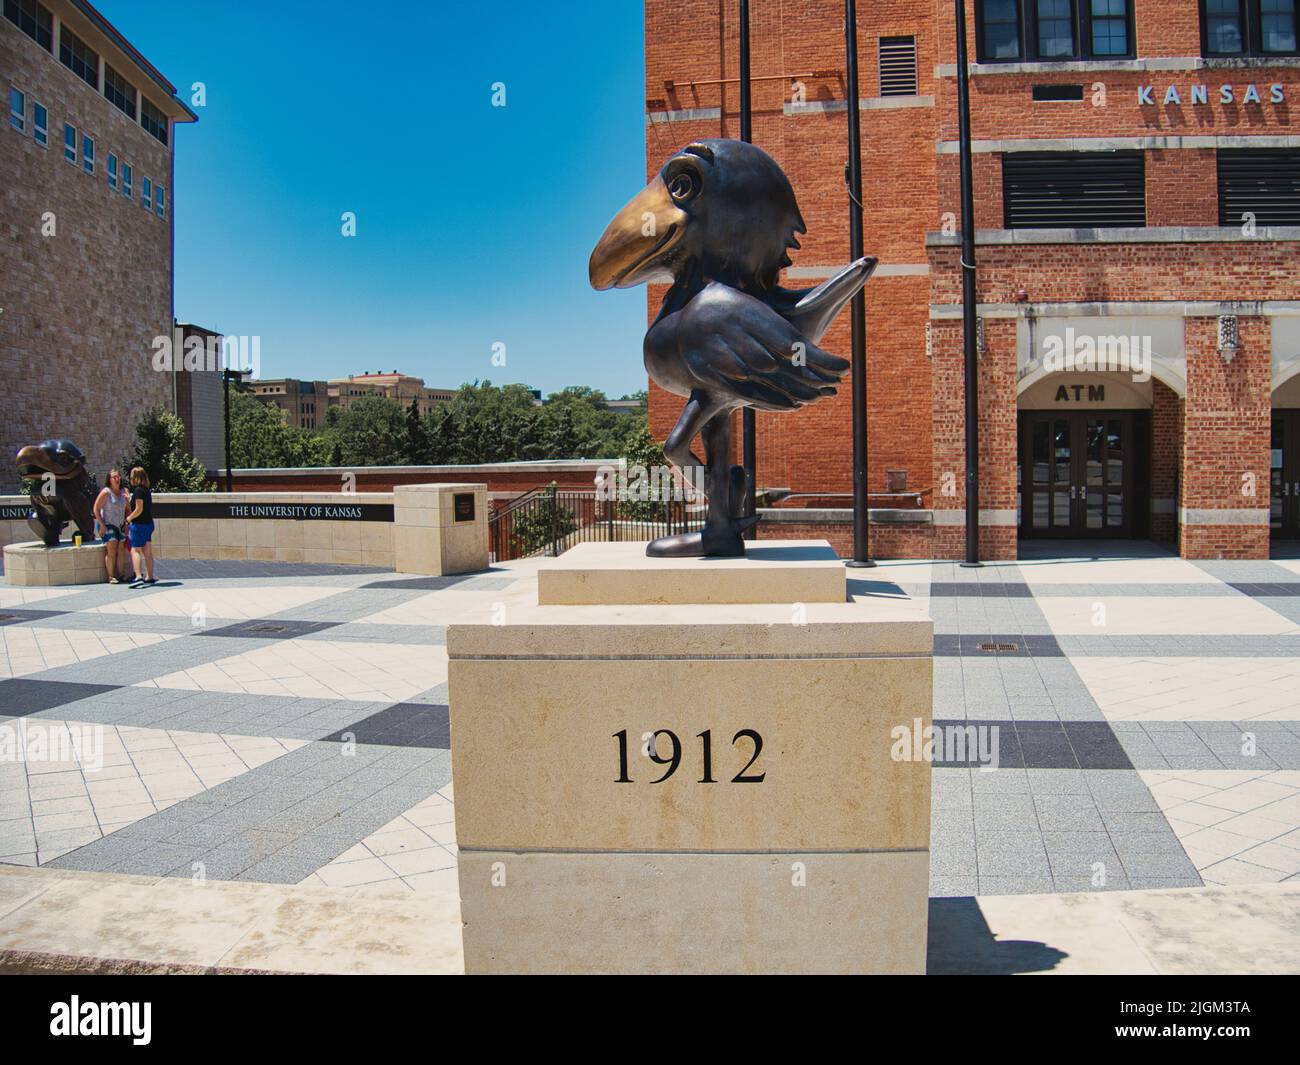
(692, 786)
(440, 529)
(32, 564)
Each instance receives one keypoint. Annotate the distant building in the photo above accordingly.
(305, 403)
(199, 403)
(301, 403)
(85, 232)
(399, 387)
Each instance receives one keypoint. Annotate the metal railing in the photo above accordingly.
(549, 521)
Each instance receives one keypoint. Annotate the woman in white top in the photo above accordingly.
(110, 515)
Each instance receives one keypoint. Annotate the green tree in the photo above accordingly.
(644, 452)
(260, 439)
(417, 438)
(160, 449)
(369, 432)
(443, 436)
(562, 434)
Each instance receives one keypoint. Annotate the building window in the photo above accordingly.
(87, 154)
(79, 57)
(897, 59)
(112, 170)
(1248, 27)
(40, 124)
(1110, 31)
(17, 110)
(126, 180)
(1260, 185)
(70, 143)
(119, 92)
(153, 120)
(999, 30)
(33, 19)
(1073, 190)
(1055, 30)
(146, 194)
(160, 201)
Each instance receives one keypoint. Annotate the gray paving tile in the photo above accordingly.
(1028, 884)
(953, 886)
(1114, 880)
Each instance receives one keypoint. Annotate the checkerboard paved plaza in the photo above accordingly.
(289, 724)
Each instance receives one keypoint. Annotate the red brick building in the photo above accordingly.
(1137, 203)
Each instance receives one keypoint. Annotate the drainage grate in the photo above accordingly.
(994, 647)
(269, 628)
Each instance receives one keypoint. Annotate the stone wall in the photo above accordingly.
(84, 299)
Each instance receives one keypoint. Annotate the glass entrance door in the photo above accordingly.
(1076, 473)
(1284, 476)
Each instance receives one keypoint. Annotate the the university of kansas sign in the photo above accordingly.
(280, 511)
(1199, 95)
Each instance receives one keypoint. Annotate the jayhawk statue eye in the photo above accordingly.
(683, 186)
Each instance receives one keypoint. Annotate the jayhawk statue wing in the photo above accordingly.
(737, 345)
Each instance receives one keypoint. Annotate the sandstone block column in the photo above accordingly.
(656, 774)
(440, 529)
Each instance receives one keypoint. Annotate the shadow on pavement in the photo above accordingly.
(961, 943)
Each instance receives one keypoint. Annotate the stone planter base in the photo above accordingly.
(33, 564)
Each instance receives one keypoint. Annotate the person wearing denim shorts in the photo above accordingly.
(140, 528)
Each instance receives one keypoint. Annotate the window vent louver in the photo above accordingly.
(898, 66)
(1073, 190)
(1264, 183)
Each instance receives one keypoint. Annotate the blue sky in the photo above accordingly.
(474, 223)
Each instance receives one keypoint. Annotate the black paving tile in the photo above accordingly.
(1002, 645)
(1038, 745)
(1095, 745)
(1267, 590)
(20, 696)
(270, 628)
(20, 615)
(951, 755)
(1045, 745)
(401, 725)
(423, 584)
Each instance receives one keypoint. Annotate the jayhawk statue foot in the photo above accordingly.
(716, 224)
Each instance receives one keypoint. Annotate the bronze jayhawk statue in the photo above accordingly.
(60, 487)
(716, 224)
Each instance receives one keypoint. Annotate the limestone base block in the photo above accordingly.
(774, 571)
(656, 782)
(440, 529)
(34, 565)
(630, 913)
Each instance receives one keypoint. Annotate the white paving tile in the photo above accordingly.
(1193, 615)
(327, 669)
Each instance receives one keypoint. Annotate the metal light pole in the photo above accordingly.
(858, 308)
(748, 434)
(227, 376)
(968, 297)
